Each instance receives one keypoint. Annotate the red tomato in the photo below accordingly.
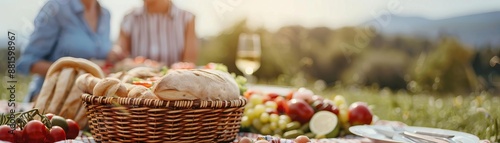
(6, 134)
(49, 115)
(281, 104)
(57, 133)
(73, 129)
(299, 110)
(36, 131)
(19, 136)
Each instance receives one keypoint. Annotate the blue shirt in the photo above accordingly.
(61, 31)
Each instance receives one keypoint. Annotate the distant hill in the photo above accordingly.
(476, 30)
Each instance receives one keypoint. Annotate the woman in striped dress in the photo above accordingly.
(158, 31)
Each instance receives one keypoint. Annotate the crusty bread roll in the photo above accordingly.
(63, 86)
(141, 72)
(196, 84)
(141, 92)
(107, 87)
(87, 82)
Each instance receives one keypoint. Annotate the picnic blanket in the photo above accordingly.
(20, 107)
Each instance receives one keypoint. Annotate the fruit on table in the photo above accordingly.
(57, 134)
(36, 131)
(325, 123)
(299, 110)
(73, 129)
(359, 114)
(61, 122)
(5, 134)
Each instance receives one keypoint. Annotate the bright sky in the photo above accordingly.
(212, 16)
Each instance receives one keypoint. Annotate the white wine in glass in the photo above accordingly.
(248, 55)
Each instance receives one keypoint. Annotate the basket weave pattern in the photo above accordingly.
(114, 119)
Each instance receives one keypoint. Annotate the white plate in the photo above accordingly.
(267, 88)
(368, 131)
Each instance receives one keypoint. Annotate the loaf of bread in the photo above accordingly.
(196, 84)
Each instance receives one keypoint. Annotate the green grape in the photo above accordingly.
(245, 121)
(286, 118)
(257, 124)
(271, 104)
(259, 109)
(264, 117)
(278, 132)
(282, 124)
(274, 118)
(266, 130)
(256, 99)
(273, 125)
(251, 114)
(249, 106)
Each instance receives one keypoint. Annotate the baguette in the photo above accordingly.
(77, 63)
(63, 86)
(73, 102)
(45, 95)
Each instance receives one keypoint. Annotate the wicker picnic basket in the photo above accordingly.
(115, 119)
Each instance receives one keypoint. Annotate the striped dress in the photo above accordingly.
(156, 36)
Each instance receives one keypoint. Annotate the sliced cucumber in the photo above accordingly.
(324, 123)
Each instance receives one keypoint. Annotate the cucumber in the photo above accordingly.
(305, 128)
(292, 134)
(310, 135)
(325, 123)
(292, 126)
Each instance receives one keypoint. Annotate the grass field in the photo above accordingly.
(474, 113)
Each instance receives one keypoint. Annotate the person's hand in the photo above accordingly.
(299, 139)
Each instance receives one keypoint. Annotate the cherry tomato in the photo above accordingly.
(19, 136)
(73, 129)
(57, 133)
(36, 131)
(6, 134)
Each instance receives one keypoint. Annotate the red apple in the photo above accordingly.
(331, 108)
(359, 114)
(289, 96)
(299, 110)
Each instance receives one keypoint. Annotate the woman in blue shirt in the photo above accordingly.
(65, 28)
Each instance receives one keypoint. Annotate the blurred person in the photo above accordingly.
(158, 31)
(65, 28)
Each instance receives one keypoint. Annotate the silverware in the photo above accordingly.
(439, 135)
(424, 137)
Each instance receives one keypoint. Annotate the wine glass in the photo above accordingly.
(248, 55)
